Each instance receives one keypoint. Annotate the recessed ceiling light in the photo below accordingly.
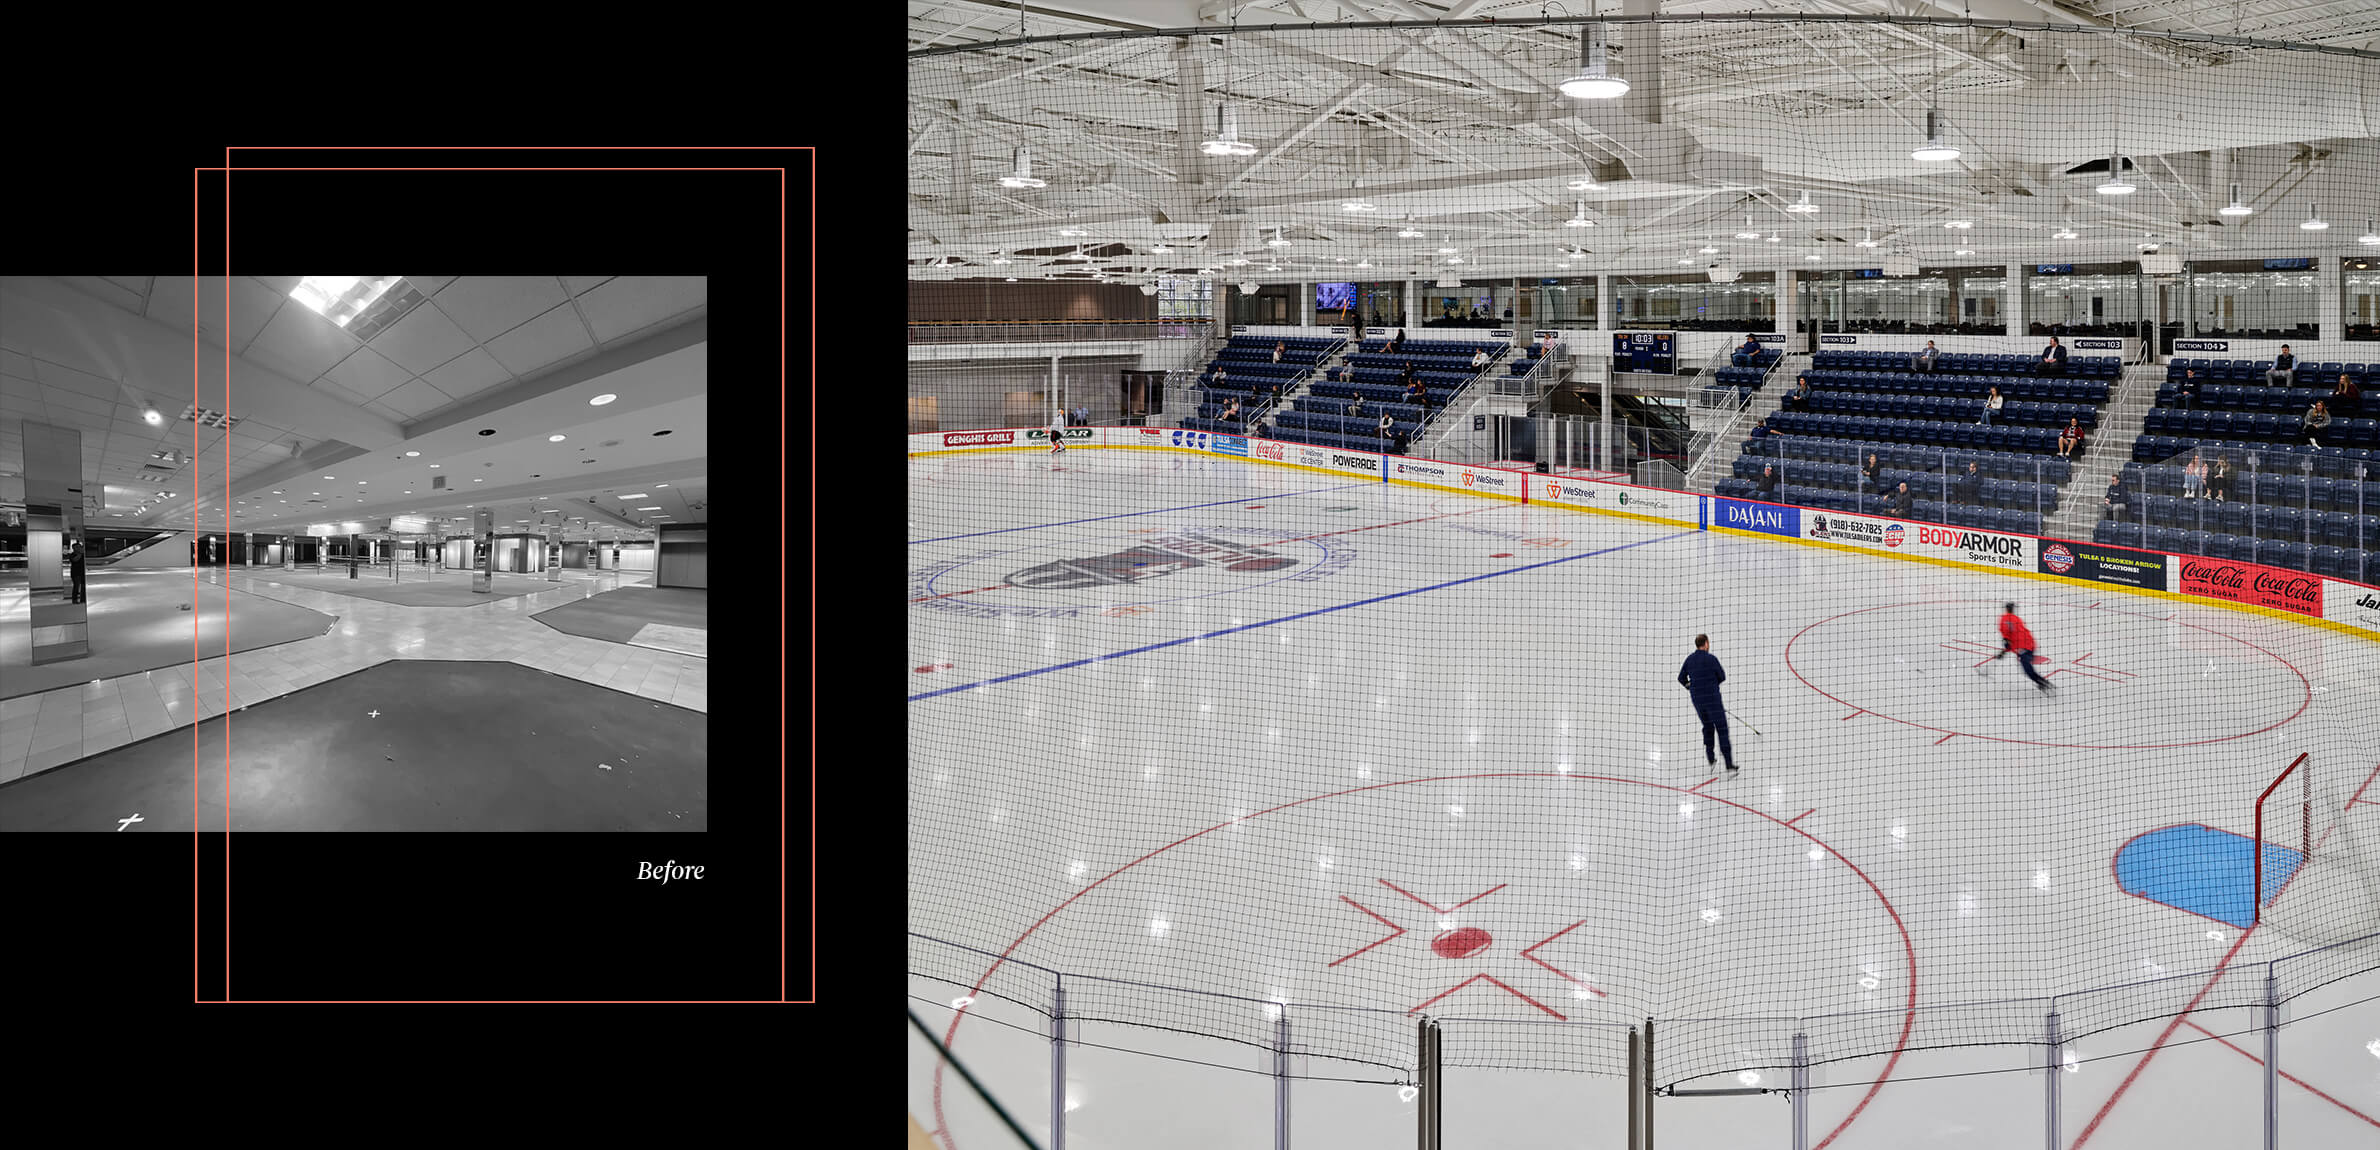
(600, 400)
(661, 485)
(648, 509)
(330, 477)
(474, 481)
(412, 454)
(555, 438)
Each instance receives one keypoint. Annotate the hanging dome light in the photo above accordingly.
(1935, 150)
(1579, 220)
(1585, 184)
(1802, 206)
(1021, 176)
(1747, 233)
(2116, 184)
(1868, 240)
(1355, 202)
(1960, 225)
(2370, 234)
(1710, 249)
(1276, 241)
(1594, 80)
(2237, 207)
(1409, 232)
(2313, 221)
(1964, 252)
(1363, 263)
(1227, 140)
(2064, 232)
(1775, 238)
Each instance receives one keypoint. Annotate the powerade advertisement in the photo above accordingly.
(1768, 518)
(2103, 564)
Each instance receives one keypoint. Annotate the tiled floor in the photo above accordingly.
(41, 731)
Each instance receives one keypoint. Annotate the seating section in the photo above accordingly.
(1968, 363)
(1247, 362)
(1935, 432)
(2307, 374)
(1959, 386)
(2234, 402)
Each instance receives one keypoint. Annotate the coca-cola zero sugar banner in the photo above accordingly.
(2252, 584)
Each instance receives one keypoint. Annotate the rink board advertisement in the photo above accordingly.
(2352, 604)
(2102, 564)
(2253, 584)
(1655, 502)
(1331, 459)
(1932, 540)
(1767, 518)
(1457, 477)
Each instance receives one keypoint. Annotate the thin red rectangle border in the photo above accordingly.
(196, 175)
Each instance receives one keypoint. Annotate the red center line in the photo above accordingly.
(2285, 1074)
(2154, 1047)
(1799, 817)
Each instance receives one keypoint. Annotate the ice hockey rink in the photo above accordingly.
(1242, 756)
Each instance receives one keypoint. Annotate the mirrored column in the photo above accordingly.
(54, 542)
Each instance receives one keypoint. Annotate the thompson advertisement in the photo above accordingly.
(1655, 502)
(2254, 584)
(1456, 477)
(2102, 564)
(1745, 515)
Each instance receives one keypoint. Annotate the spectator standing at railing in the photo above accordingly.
(1749, 354)
(2053, 359)
(2069, 438)
(1991, 406)
(1924, 360)
(1082, 415)
(2283, 369)
(2317, 423)
(1970, 485)
(2194, 477)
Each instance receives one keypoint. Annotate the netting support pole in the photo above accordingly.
(1058, 1065)
(1801, 1092)
(1636, 1091)
(1650, 1089)
(2272, 1059)
(2055, 1064)
(1281, 1082)
(1426, 1039)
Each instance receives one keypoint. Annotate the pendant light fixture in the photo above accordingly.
(1935, 149)
(2313, 221)
(2116, 184)
(1867, 238)
(1355, 201)
(1021, 175)
(2237, 207)
(1579, 220)
(1748, 233)
(1585, 184)
(1410, 232)
(1802, 206)
(2064, 232)
(2371, 235)
(1226, 141)
(1594, 80)
(1276, 241)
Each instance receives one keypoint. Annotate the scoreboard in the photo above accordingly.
(1645, 352)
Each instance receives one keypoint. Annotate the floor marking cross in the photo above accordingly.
(122, 823)
(374, 714)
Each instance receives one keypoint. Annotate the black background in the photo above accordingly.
(124, 919)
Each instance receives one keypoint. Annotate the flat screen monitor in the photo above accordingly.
(1334, 297)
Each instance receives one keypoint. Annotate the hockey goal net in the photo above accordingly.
(2316, 878)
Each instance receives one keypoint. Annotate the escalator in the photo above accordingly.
(150, 552)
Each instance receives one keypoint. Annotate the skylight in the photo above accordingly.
(362, 304)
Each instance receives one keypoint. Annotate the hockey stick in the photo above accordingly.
(1747, 726)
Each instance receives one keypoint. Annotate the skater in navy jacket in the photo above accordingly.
(1701, 677)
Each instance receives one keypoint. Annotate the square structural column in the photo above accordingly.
(54, 542)
(483, 525)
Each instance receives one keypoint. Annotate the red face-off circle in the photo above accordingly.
(1461, 942)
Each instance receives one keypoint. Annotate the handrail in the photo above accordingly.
(1054, 330)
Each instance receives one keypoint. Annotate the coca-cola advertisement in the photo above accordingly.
(2251, 583)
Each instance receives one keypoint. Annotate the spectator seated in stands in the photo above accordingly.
(1479, 358)
(1801, 395)
(1901, 500)
(2346, 400)
(1924, 360)
(1398, 438)
(1764, 431)
(1768, 481)
(2053, 359)
(1355, 410)
(1220, 376)
(2119, 497)
(1415, 392)
(2069, 438)
(1399, 341)
(2185, 393)
(2218, 481)
(1991, 406)
(2194, 477)
(1749, 354)
(1969, 489)
(1230, 412)
(1871, 475)
(2283, 370)
(2316, 423)
(1278, 350)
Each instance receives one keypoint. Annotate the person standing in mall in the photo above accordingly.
(1701, 677)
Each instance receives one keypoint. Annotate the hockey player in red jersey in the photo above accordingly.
(2015, 637)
